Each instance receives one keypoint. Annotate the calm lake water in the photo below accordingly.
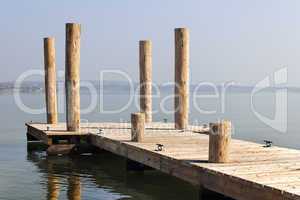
(31, 175)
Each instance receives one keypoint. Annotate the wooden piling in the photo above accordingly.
(219, 141)
(181, 102)
(145, 49)
(72, 77)
(50, 80)
(137, 127)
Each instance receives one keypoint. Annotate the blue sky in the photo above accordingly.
(233, 40)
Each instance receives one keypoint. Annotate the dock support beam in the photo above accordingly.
(219, 141)
(181, 102)
(72, 77)
(50, 80)
(145, 49)
(137, 127)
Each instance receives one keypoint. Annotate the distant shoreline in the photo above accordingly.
(36, 87)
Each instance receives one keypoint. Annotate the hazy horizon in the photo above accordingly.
(240, 41)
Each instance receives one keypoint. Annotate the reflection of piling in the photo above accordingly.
(53, 184)
(145, 47)
(137, 127)
(50, 80)
(72, 79)
(74, 188)
(219, 142)
(181, 102)
(53, 188)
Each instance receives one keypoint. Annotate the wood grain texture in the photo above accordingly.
(181, 101)
(219, 141)
(137, 127)
(50, 80)
(72, 77)
(186, 159)
(145, 49)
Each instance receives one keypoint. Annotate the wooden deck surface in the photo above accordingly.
(254, 171)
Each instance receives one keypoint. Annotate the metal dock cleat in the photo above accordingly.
(268, 143)
(159, 147)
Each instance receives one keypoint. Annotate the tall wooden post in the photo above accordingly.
(219, 141)
(145, 47)
(72, 77)
(137, 127)
(50, 80)
(181, 78)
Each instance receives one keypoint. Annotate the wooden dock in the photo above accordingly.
(253, 172)
(203, 156)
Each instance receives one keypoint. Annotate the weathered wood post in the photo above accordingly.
(145, 48)
(72, 77)
(181, 102)
(219, 141)
(50, 80)
(137, 127)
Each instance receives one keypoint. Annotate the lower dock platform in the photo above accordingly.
(254, 171)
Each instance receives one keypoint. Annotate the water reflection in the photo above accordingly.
(104, 176)
(53, 187)
(74, 188)
(54, 178)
